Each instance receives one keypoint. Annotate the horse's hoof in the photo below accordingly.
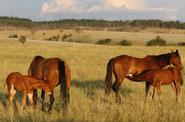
(105, 100)
(49, 111)
(119, 101)
(43, 109)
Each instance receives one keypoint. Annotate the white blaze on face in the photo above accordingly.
(128, 4)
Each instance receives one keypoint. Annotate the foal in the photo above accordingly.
(24, 84)
(160, 77)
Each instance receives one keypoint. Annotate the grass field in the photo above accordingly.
(89, 36)
(88, 66)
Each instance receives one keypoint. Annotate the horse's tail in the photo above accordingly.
(108, 78)
(63, 84)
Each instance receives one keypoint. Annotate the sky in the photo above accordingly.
(39, 10)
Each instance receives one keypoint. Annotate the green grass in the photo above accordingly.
(88, 68)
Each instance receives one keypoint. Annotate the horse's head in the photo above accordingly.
(175, 59)
(47, 88)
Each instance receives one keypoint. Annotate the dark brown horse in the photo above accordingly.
(55, 71)
(160, 77)
(24, 84)
(124, 65)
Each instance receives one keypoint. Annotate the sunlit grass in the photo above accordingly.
(89, 36)
(88, 67)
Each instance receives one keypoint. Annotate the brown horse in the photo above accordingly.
(24, 84)
(160, 77)
(124, 65)
(55, 71)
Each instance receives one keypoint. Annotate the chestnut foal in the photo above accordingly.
(160, 77)
(24, 84)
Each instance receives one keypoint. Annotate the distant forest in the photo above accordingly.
(118, 25)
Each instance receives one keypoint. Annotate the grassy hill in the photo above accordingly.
(90, 36)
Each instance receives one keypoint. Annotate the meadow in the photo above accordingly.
(92, 36)
(88, 68)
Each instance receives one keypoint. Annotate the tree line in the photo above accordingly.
(97, 23)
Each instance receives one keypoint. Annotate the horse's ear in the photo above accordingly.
(177, 52)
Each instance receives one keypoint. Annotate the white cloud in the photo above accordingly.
(128, 4)
(109, 7)
(57, 6)
(104, 5)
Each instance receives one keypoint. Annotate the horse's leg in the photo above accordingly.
(159, 91)
(43, 101)
(147, 87)
(23, 101)
(178, 90)
(11, 95)
(153, 93)
(119, 73)
(30, 97)
(52, 99)
(173, 87)
(150, 93)
(116, 87)
(35, 97)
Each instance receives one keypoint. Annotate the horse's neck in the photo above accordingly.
(39, 84)
(163, 59)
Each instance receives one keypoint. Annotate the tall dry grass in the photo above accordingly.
(88, 66)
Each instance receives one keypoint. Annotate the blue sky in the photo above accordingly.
(96, 9)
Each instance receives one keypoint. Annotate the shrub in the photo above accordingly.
(22, 39)
(65, 36)
(181, 43)
(156, 41)
(13, 36)
(104, 41)
(53, 38)
(125, 43)
(78, 30)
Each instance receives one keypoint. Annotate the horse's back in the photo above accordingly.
(35, 65)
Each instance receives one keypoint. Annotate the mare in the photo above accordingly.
(160, 77)
(24, 84)
(54, 71)
(122, 66)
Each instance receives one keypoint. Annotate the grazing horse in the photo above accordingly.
(124, 65)
(160, 77)
(24, 84)
(54, 71)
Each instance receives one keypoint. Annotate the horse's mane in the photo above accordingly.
(162, 57)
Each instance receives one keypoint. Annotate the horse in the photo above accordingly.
(15, 81)
(122, 66)
(160, 77)
(54, 71)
